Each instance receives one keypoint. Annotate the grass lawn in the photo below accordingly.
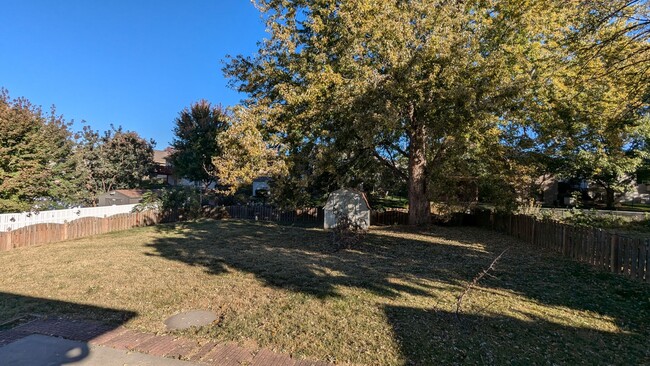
(635, 207)
(388, 202)
(391, 301)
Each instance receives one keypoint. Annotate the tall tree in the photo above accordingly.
(36, 171)
(195, 142)
(591, 118)
(116, 159)
(395, 80)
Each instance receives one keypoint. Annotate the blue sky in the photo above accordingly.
(131, 63)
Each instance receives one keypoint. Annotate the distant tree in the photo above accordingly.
(36, 171)
(116, 159)
(195, 142)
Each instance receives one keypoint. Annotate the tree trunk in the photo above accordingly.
(419, 209)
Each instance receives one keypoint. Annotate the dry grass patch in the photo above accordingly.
(389, 301)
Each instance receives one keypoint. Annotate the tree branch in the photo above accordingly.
(483, 273)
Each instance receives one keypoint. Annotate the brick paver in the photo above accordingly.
(202, 351)
(209, 353)
(126, 340)
(102, 339)
(268, 358)
(158, 346)
(183, 348)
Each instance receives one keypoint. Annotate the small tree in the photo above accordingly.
(347, 233)
(195, 142)
(173, 203)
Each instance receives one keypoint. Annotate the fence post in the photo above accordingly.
(614, 260)
(564, 241)
(647, 262)
(510, 224)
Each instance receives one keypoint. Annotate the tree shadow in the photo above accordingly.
(398, 262)
(303, 258)
(543, 279)
(430, 337)
(26, 320)
(546, 278)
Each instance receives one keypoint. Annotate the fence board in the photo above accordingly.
(266, 213)
(45, 233)
(608, 251)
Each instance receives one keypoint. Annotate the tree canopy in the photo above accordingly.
(114, 159)
(35, 169)
(406, 84)
(245, 153)
(591, 117)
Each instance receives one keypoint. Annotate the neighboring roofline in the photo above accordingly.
(131, 193)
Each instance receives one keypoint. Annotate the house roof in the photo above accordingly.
(262, 179)
(161, 156)
(131, 193)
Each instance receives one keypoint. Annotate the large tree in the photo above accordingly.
(36, 171)
(114, 159)
(195, 142)
(396, 80)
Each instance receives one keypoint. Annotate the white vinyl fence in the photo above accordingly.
(13, 221)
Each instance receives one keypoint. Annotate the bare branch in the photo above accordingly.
(483, 273)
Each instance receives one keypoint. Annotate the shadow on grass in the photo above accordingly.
(19, 307)
(396, 262)
(22, 316)
(429, 337)
(302, 258)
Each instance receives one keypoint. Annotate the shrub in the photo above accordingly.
(173, 203)
(347, 233)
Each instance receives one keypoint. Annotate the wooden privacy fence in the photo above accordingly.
(316, 215)
(608, 251)
(51, 232)
(267, 213)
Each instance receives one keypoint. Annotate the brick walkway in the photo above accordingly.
(209, 353)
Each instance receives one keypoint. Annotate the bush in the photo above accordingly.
(347, 233)
(173, 203)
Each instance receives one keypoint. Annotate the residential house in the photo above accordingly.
(163, 167)
(560, 192)
(261, 184)
(165, 170)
